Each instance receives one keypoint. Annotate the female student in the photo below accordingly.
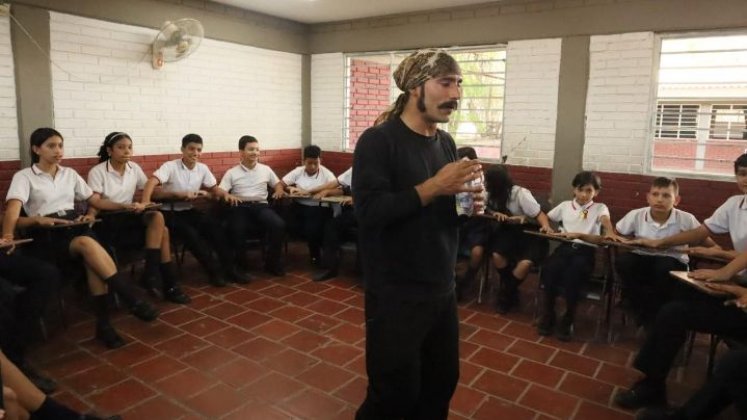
(512, 252)
(47, 192)
(571, 264)
(116, 179)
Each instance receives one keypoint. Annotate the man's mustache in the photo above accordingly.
(449, 105)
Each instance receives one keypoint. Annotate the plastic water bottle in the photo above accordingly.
(466, 205)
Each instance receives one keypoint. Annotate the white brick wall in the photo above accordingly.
(531, 103)
(619, 102)
(221, 92)
(9, 149)
(327, 100)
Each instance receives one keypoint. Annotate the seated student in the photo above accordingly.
(47, 192)
(703, 313)
(20, 312)
(182, 180)
(308, 180)
(247, 184)
(342, 226)
(512, 252)
(24, 401)
(116, 179)
(570, 265)
(473, 235)
(647, 285)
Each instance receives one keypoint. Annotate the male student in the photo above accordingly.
(702, 314)
(247, 184)
(647, 285)
(182, 182)
(339, 228)
(308, 180)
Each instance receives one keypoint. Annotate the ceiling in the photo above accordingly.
(317, 11)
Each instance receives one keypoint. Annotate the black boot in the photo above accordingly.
(151, 279)
(105, 333)
(546, 323)
(508, 292)
(565, 327)
(171, 290)
(464, 282)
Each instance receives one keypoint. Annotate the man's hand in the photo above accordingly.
(648, 243)
(547, 229)
(453, 177)
(739, 292)
(278, 194)
(232, 200)
(569, 235)
(710, 275)
(193, 195)
(321, 194)
(347, 201)
(136, 207)
(298, 192)
(499, 216)
(5, 241)
(516, 220)
(614, 237)
(50, 221)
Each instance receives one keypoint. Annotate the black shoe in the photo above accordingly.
(46, 385)
(151, 285)
(108, 336)
(238, 276)
(642, 394)
(565, 329)
(176, 295)
(144, 311)
(315, 261)
(324, 275)
(217, 280)
(275, 270)
(659, 413)
(546, 324)
(505, 301)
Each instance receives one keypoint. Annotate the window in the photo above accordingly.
(701, 106)
(370, 89)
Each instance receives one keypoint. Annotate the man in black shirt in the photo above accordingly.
(406, 175)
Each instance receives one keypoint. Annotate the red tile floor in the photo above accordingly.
(289, 348)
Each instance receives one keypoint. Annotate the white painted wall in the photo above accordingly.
(104, 82)
(327, 100)
(531, 104)
(9, 147)
(622, 89)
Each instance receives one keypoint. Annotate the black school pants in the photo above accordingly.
(705, 315)
(260, 217)
(412, 357)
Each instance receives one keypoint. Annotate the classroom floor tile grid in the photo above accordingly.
(289, 348)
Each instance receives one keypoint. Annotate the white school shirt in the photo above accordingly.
(731, 217)
(521, 202)
(41, 194)
(579, 219)
(175, 176)
(107, 181)
(346, 178)
(249, 184)
(640, 224)
(299, 178)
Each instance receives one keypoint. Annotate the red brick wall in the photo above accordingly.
(281, 161)
(369, 96)
(719, 154)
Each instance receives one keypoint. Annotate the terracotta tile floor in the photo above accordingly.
(288, 348)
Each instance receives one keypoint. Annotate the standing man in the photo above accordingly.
(406, 175)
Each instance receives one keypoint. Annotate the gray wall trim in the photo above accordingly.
(33, 74)
(570, 125)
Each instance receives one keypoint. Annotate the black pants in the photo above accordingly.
(257, 217)
(40, 281)
(646, 283)
(201, 235)
(412, 358)
(311, 221)
(707, 315)
(566, 270)
(727, 386)
(336, 231)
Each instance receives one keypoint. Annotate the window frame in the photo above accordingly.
(654, 102)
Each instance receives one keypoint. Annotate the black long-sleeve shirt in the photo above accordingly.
(407, 250)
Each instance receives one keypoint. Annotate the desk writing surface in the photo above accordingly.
(15, 243)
